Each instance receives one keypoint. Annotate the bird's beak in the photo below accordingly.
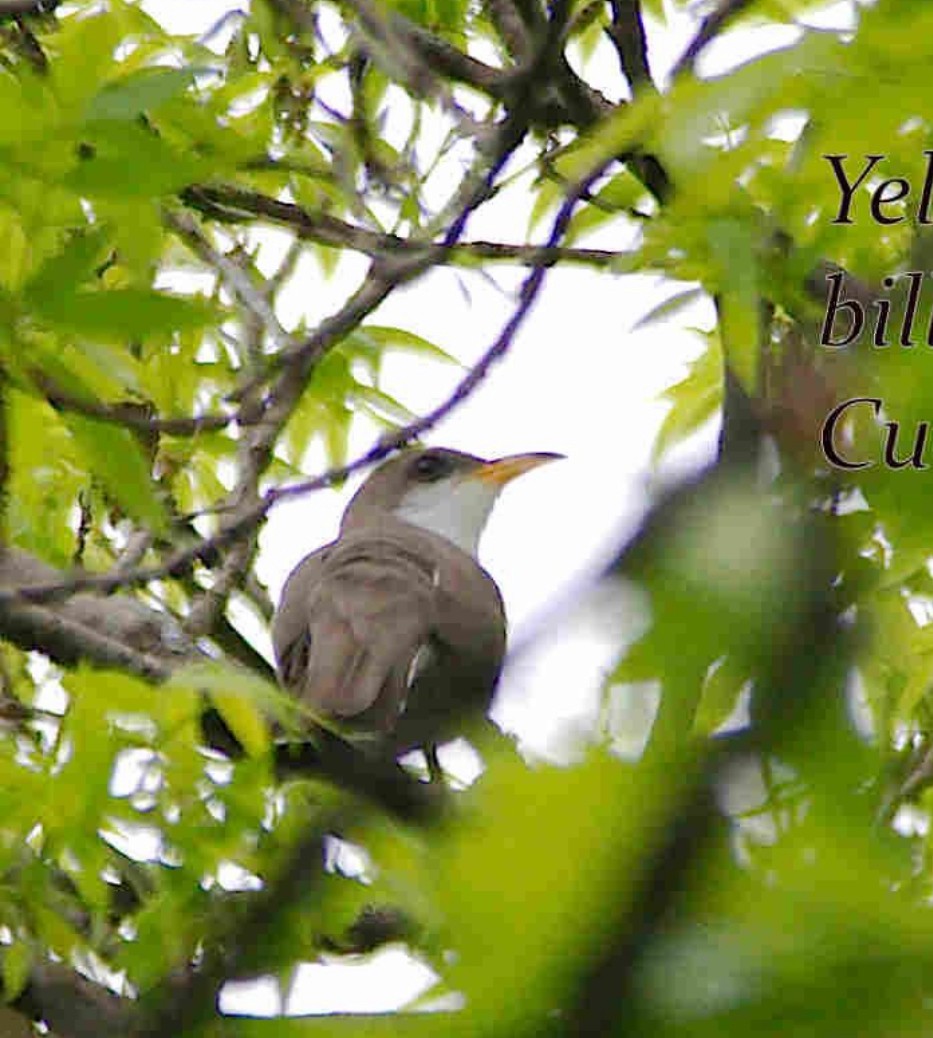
(504, 470)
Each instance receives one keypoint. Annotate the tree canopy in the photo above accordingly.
(168, 815)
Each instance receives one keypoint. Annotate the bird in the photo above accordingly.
(394, 632)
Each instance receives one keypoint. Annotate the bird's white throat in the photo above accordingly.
(453, 508)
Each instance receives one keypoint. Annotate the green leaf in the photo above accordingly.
(629, 125)
(92, 370)
(18, 958)
(548, 196)
(733, 245)
(45, 479)
(245, 701)
(69, 268)
(141, 91)
(54, 931)
(119, 159)
(21, 120)
(84, 57)
(522, 931)
(108, 693)
(622, 193)
(670, 307)
(114, 456)
(916, 688)
(138, 236)
(381, 406)
(721, 689)
(403, 341)
(694, 400)
(243, 719)
(123, 313)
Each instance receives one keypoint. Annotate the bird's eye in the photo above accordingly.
(430, 467)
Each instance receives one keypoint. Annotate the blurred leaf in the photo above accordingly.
(125, 160)
(143, 90)
(522, 928)
(17, 962)
(114, 455)
(65, 271)
(122, 314)
(250, 700)
(721, 690)
(734, 252)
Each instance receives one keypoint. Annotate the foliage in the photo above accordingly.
(762, 878)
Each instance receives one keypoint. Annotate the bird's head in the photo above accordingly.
(445, 491)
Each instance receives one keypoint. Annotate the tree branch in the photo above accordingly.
(441, 57)
(228, 203)
(236, 278)
(23, 8)
(111, 632)
(516, 33)
(627, 34)
(132, 415)
(72, 1005)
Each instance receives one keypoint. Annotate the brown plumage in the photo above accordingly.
(395, 630)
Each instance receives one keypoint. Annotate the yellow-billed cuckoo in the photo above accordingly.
(394, 629)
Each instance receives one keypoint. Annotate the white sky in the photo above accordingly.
(578, 380)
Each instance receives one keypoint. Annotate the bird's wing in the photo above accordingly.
(353, 619)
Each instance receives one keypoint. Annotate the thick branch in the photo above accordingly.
(111, 632)
(73, 1006)
(627, 33)
(515, 31)
(22, 8)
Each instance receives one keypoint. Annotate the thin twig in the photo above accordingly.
(711, 26)
(251, 298)
(229, 203)
(135, 416)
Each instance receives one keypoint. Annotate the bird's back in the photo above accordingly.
(394, 631)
